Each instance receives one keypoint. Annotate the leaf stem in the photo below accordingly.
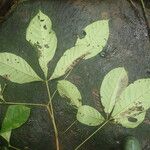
(27, 104)
(52, 97)
(92, 134)
(69, 126)
(3, 88)
(14, 147)
(51, 113)
(2, 100)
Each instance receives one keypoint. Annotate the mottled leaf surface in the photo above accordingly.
(131, 121)
(131, 106)
(69, 91)
(89, 116)
(16, 69)
(95, 36)
(42, 37)
(112, 86)
(89, 46)
(69, 59)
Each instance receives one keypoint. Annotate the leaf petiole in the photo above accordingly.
(69, 126)
(26, 104)
(107, 121)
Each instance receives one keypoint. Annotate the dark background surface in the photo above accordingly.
(128, 46)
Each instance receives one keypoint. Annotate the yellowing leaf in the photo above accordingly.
(131, 121)
(68, 90)
(16, 69)
(95, 39)
(96, 36)
(42, 37)
(134, 101)
(69, 59)
(89, 116)
(112, 86)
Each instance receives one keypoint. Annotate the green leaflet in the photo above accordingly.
(131, 106)
(16, 116)
(89, 116)
(131, 143)
(1, 95)
(68, 90)
(16, 69)
(96, 38)
(112, 86)
(6, 135)
(42, 37)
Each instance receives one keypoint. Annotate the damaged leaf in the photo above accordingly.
(130, 108)
(69, 59)
(68, 90)
(95, 36)
(89, 116)
(95, 39)
(16, 69)
(42, 37)
(112, 86)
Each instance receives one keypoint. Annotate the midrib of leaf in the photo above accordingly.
(45, 64)
(114, 96)
(130, 104)
(20, 70)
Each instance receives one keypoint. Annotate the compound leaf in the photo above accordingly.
(112, 86)
(16, 69)
(68, 90)
(95, 39)
(130, 108)
(89, 116)
(42, 37)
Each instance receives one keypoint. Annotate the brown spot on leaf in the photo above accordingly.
(45, 27)
(82, 34)
(76, 61)
(134, 111)
(38, 46)
(46, 46)
(6, 76)
(132, 119)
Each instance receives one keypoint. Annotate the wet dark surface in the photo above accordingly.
(128, 46)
